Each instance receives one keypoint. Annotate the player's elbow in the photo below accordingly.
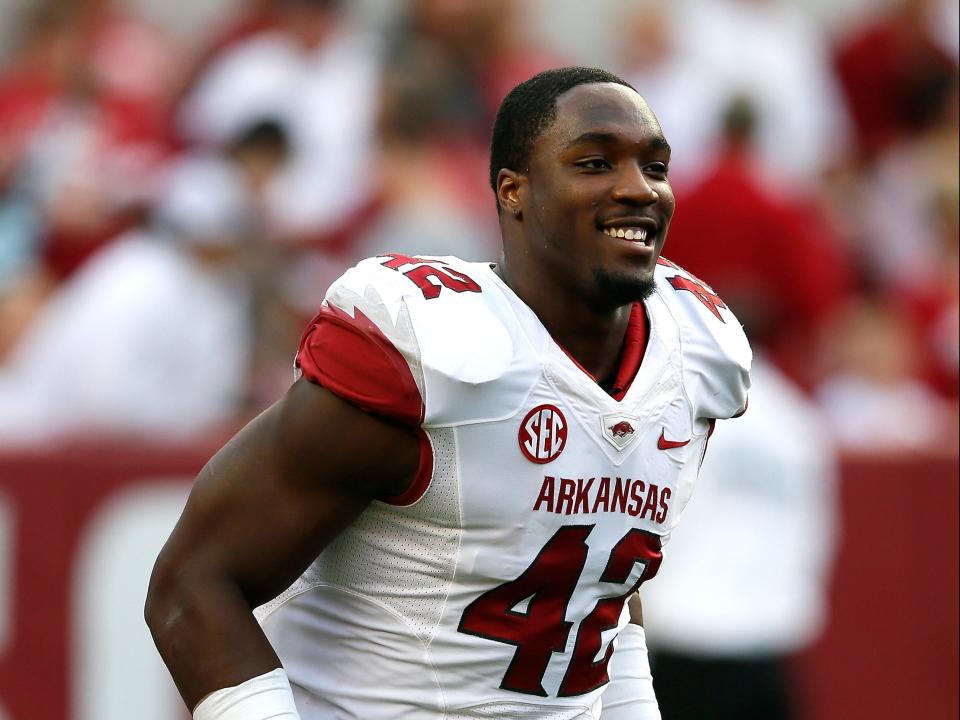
(162, 595)
(171, 595)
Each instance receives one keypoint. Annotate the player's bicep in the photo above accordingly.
(285, 486)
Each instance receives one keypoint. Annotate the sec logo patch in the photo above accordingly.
(543, 434)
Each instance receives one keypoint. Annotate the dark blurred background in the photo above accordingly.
(181, 181)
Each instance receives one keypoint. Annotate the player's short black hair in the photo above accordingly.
(530, 108)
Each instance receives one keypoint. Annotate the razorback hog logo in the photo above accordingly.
(621, 429)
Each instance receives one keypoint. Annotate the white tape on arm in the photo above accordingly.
(265, 697)
(629, 694)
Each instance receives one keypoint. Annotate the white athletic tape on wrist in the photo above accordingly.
(265, 697)
(629, 694)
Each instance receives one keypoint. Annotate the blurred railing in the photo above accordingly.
(80, 526)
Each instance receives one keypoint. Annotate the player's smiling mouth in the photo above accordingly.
(633, 234)
(636, 229)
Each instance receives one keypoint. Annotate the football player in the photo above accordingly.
(478, 465)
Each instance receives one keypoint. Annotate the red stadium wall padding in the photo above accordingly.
(890, 649)
(52, 496)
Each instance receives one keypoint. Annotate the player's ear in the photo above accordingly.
(510, 187)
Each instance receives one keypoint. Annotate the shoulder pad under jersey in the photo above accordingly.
(464, 349)
(716, 354)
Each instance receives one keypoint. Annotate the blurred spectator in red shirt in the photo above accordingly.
(901, 213)
(933, 299)
(888, 68)
(935, 308)
(771, 257)
(80, 108)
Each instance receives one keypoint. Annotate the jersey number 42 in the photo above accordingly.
(542, 629)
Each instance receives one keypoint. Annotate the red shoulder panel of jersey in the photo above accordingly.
(354, 360)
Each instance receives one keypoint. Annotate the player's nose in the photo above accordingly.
(632, 186)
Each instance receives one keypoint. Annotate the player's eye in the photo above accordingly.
(594, 163)
(657, 168)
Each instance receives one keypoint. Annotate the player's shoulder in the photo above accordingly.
(446, 307)
(396, 278)
(690, 295)
(716, 354)
(443, 296)
(704, 318)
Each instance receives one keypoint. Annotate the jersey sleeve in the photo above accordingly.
(422, 340)
(716, 353)
(361, 347)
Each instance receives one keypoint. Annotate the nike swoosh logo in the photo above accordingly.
(664, 444)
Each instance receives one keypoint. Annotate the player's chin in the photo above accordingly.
(622, 286)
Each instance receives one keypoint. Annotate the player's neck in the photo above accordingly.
(592, 337)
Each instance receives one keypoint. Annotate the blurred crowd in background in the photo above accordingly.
(174, 202)
(173, 206)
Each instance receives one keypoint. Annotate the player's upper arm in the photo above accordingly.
(271, 499)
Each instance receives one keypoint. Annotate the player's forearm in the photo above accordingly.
(205, 631)
(636, 609)
(630, 694)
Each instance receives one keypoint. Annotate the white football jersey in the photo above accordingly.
(495, 587)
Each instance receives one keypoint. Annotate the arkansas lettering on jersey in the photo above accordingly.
(496, 585)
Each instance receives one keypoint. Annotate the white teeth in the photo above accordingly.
(635, 234)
